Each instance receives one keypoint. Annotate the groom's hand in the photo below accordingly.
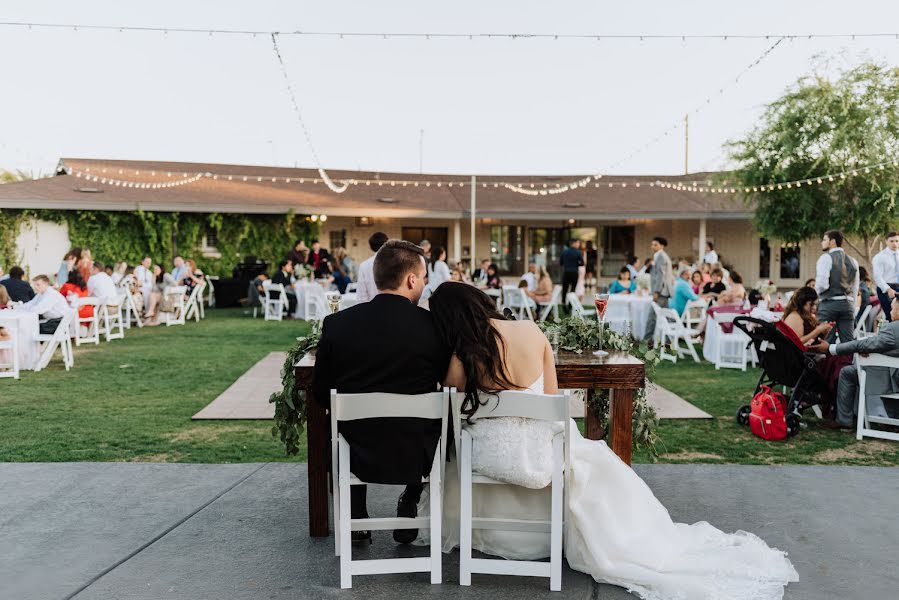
(821, 347)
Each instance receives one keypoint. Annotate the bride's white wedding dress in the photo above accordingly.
(618, 532)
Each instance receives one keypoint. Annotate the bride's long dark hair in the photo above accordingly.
(462, 316)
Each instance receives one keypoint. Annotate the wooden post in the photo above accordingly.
(592, 428)
(317, 426)
(621, 428)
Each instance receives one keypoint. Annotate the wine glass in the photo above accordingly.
(601, 301)
(333, 301)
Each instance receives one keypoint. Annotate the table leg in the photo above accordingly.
(621, 429)
(592, 428)
(317, 466)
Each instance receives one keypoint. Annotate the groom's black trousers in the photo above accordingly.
(358, 495)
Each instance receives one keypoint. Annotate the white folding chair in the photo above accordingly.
(552, 408)
(577, 309)
(210, 295)
(670, 329)
(10, 348)
(552, 305)
(618, 314)
(861, 328)
(111, 313)
(174, 295)
(863, 427)
(731, 349)
(316, 303)
(91, 324)
(516, 300)
(497, 296)
(58, 339)
(195, 302)
(351, 407)
(273, 304)
(131, 309)
(693, 312)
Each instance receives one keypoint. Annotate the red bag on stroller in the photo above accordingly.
(768, 419)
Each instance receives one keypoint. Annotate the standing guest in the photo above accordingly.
(479, 275)
(683, 292)
(531, 277)
(85, 264)
(864, 293)
(696, 282)
(662, 275)
(632, 265)
(711, 256)
(426, 248)
(591, 258)
(143, 274)
(570, 260)
(886, 272)
(544, 290)
(438, 270)
(48, 303)
(179, 271)
(386, 345)
(836, 281)
(4, 297)
(317, 259)
(625, 284)
(67, 266)
(297, 255)
(493, 280)
(19, 290)
(580, 289)
(284, 277)
(75, 286)
(100, 285)
(365, 284)
(715, 287)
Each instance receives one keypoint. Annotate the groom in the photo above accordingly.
(388, 344)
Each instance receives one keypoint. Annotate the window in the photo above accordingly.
(507, 248)
(210, 244)
(337, 239)
(789, 261)
(764, 259)
(617, 244)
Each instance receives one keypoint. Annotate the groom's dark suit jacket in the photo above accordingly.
(385, 345)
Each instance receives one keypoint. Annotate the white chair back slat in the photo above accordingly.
(274, 301)
(351, 407)
(523, 404)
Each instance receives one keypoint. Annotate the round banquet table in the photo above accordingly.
(24, 326)
(638, 309)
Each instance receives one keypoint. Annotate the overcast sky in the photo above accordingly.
(486, 106)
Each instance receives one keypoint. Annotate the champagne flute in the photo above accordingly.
(333, 301)
(601, 301)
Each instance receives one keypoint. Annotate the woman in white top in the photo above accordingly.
(617, 532)
(438, 270)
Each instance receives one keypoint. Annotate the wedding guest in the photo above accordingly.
(696, 282)
(4, 297)
(736, 293)
(117, 273)
(365, 284)
(339, 277)
(179, 270)
(316, 258)
(544, 290)
(75, 286)
(570, 260)
(345, 263)
(799, 315)
(715, 287)
(66, 267)
(886, 271)
(3, 276)
(457, 274)
(662, 280)
(836, 281)
(390, 345)
(19, 290)
(632, 265)
(531, 277)
(143, 274)
(706, 271)
(85, 264)
(864, 293)
(426, 248)
(810, 283)
(647, 266)
(591, 258)
(683, 292)
(161, 280)
(100, 285)
(297, 254)
(193, 277)
(493, 280)
(256, 290)
(438, 271)
(710, 256)
(48, 303)
(480, 274)
(625, 284)
(283, 276)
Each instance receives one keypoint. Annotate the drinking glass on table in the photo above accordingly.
(333, 301)
(601, 301)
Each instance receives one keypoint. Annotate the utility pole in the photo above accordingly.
(687, 144)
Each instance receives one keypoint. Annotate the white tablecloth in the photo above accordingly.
(24, 326)
(637, 309)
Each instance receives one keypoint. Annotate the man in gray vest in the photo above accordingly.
(661, 280)
(880, 380)
(836, 281)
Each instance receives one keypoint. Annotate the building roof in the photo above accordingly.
(237, 188)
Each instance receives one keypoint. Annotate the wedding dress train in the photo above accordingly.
(618, 532)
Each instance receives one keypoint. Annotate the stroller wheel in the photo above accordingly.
(794, 422)
(743, 415)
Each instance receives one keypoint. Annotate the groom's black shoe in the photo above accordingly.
(361, 537)
(408, 509)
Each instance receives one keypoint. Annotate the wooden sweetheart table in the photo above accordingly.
(619, 372)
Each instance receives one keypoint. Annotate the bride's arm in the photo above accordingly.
(455, 374)
(550, 381)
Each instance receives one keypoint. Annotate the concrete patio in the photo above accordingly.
(127, 531)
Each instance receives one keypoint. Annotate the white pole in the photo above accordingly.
(474, 195)
(702, 236)
(457, 241)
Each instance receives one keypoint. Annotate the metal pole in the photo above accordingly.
(474, 194)
(686, 144)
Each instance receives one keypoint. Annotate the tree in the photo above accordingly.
(820, 127)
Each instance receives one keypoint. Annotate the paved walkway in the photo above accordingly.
(123, 531)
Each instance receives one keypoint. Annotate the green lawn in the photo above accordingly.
(132, 399)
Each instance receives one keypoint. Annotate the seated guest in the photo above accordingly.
(4, 297)
(810, 283)
(117, 273)
(457, 274)
(298, 254)
(346, 264)
(725, 274)
(715, 287)
(479, 275)
(193, 276)
(161, 280)
(256, 290)
(493, 280)
(625, 284)
(85, 264)
(75, 286)
(706, 270)
(531, 277)
(19, 290)
(799, 316)
(339, 276)
(683, 291)
(48, 303)
(179, 270)
(696, 282)
(284, 276)
(879, 380)
(438, 270)
(67, 266)
(143, 273)
(544, 290)
(736, 293)
(100, 285)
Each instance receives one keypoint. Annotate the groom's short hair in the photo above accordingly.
(394, 261)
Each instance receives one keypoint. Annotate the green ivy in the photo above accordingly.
(290, 402)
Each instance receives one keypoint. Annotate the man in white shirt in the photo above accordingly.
(531, 277)
(100, 285)
(836, 281)
(886, 271)
(144, 276)
(179, 270)
(632, 262)
(365, 282)
(711, 256)
(48, 303)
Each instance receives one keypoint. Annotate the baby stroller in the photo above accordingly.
(784, 362)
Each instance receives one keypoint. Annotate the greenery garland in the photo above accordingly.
(579, 335)
(290, 402)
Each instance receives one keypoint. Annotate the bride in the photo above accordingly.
(618, 532)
